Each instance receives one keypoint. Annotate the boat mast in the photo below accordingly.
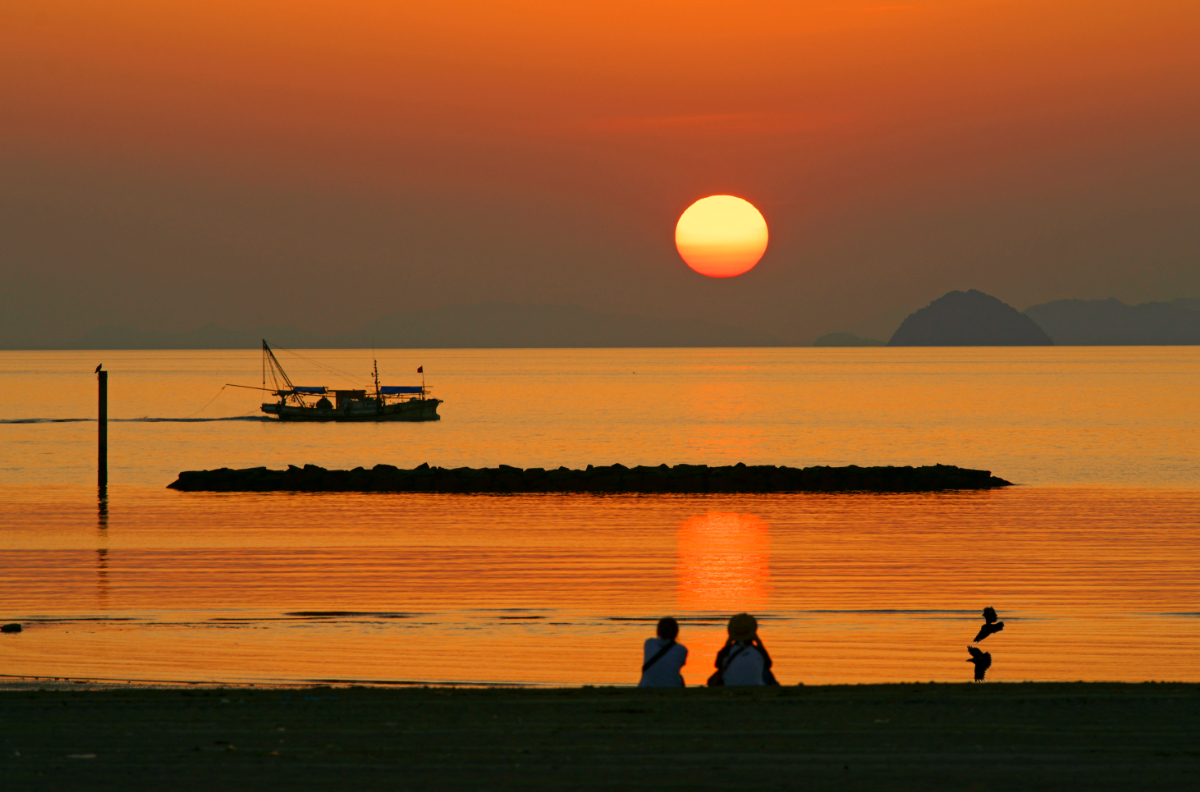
(276, 370)
(378, 397)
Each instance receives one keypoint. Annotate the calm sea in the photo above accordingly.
(1093, 560)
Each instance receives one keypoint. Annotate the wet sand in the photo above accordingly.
(917, 736)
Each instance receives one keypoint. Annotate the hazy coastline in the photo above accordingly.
(495, 325)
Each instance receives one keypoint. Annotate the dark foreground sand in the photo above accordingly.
(893, 737)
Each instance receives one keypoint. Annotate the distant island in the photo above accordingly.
(1113, 323)
(598, 479)
(972, 318)
(969, 318)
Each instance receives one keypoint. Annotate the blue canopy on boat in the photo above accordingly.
(302, 389)
(396, 390)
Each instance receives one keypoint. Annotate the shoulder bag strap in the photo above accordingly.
(732, 655)
(718, 677)
(658, 656)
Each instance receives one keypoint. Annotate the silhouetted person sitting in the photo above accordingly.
(743, 660)
(663, 657)
(990, 625)
(982, 661)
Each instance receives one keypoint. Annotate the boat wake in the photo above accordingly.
(43, 420)
(258, 418)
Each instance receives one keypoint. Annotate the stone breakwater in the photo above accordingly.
(608, 478)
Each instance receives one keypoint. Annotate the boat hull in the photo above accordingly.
(357, 412)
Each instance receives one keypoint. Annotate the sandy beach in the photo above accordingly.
(905, 736)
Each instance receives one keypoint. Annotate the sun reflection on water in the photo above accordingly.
(724, 563)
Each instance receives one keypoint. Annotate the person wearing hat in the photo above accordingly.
(743, 660)
(663, 657)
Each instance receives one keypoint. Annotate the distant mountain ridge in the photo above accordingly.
(969, 318)
(846, 340)
(503, 325)
(210, 336)
(1113, 323)
(482, 326)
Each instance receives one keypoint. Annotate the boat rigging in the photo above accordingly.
(311, 403)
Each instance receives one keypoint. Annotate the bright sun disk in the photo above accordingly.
(721, 236)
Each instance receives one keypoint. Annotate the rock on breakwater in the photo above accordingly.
(609, 478)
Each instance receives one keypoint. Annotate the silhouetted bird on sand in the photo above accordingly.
(990, 624)
(982, 661)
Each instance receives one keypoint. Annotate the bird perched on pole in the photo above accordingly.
(982, 661)
(99, 367)
(990, 625)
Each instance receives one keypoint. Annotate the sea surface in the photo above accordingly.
(1092, 560)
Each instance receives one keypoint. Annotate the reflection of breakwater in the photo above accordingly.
(609, 478)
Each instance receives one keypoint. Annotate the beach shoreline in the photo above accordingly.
(1030, 735)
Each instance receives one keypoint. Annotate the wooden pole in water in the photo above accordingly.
(102, 421)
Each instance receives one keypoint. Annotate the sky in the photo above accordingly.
(167, 165)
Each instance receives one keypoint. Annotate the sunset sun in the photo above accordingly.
(721, 236)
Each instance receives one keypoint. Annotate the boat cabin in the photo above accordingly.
(343, 396)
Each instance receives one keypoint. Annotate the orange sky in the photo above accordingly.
(541, 152)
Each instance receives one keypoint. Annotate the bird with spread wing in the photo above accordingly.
(990, 625)
(982, 661)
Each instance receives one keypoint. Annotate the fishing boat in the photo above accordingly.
(312, 403)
